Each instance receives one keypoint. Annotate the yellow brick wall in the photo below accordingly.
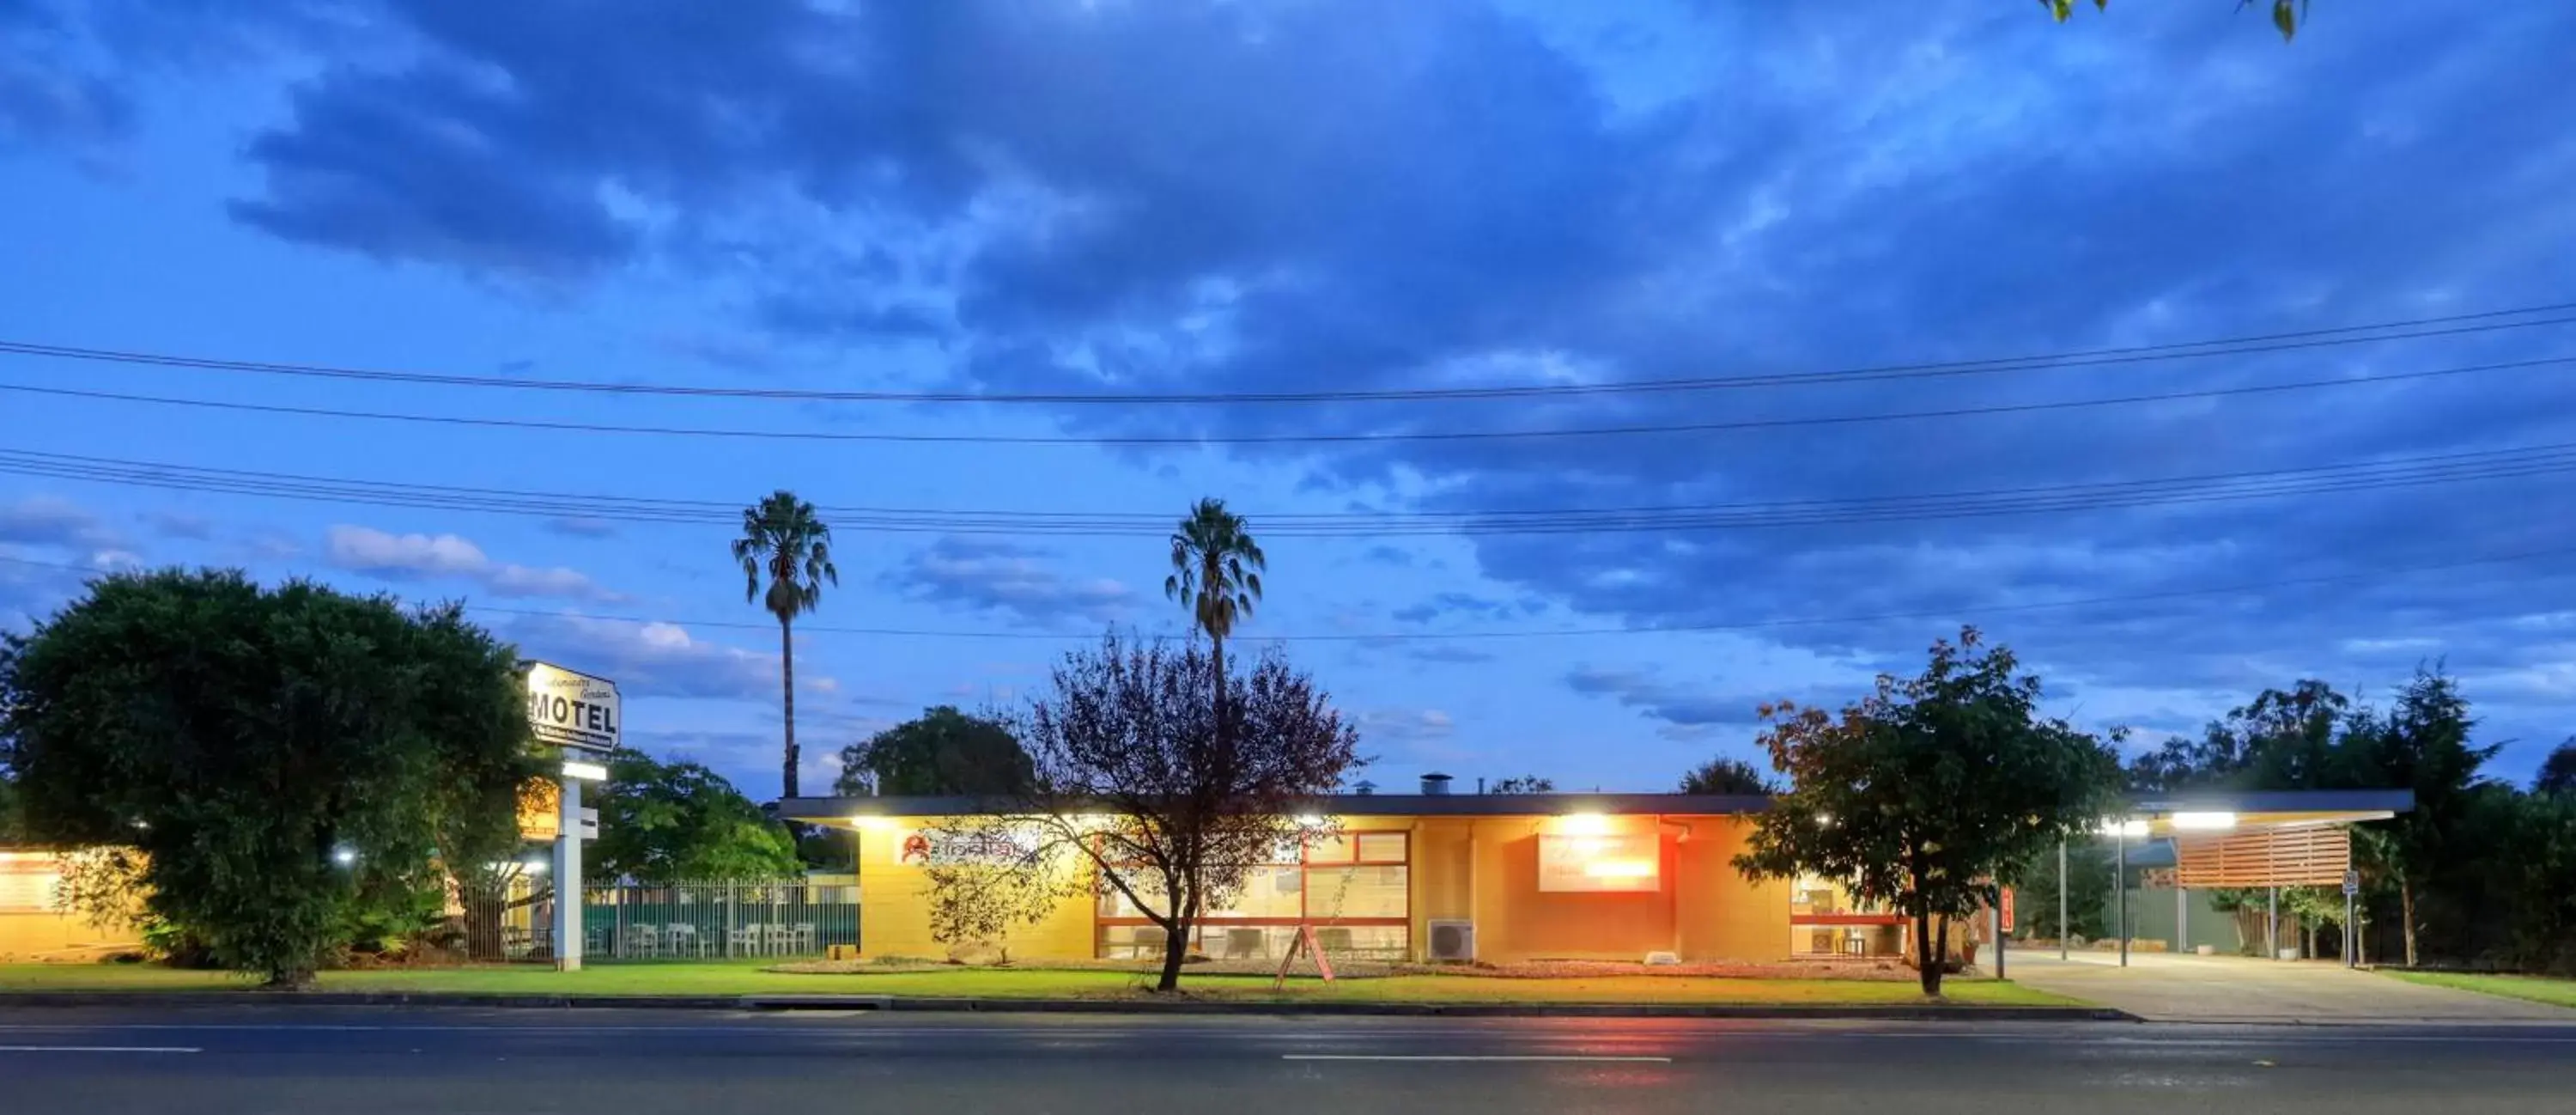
(1483, 869)
(894, 912)
(1723, 916)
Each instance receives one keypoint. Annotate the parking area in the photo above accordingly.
(2168, 988)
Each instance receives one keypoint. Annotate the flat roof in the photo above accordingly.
(2253, 807)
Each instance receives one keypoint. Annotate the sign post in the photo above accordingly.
(2351, 928)
(578, 715)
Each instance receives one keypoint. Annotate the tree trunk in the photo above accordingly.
(1925, 962)
(1940, 958)
(2406, 911)
(787, 682)
(1176, 941)
(290, 979)
(1216, 663)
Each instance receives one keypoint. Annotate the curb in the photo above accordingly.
(939, 1004)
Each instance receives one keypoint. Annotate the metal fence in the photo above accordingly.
(669, 921)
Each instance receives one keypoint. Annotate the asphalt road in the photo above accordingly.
(648, 1063)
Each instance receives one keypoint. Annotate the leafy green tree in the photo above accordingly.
(942, 751)
(288, 761)
(784, 540)
(1727, 775)
(2088, 891)
(1216, 574)
(2423, 745)
(1525, 784)
(2282, 740)
(1923, 793)
(2557, 772)
(2541, 874)
(2286, 14)
(680, 822)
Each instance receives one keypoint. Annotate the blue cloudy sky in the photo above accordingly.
(1061, 198)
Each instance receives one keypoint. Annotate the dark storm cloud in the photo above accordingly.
(1334, 195)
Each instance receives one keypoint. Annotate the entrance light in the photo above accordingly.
(2205, 822)
(2131, 827)
(1583, 824)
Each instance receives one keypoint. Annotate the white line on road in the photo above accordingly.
(1465, 1057)
(99, 1049)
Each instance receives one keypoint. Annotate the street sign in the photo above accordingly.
(589, 823)
(2008, 910)
(572, 710)
(2351, 883)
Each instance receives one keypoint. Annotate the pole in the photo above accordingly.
(1998, 913)
(568, 880)
(2061, 898)
(2272, 921)
(2351, 932)
(2120, 883)
(2182, 910)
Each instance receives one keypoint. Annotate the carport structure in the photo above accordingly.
(2245, 840)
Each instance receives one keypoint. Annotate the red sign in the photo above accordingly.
(2008, 910)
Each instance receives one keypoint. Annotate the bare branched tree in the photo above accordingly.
(1137, 795)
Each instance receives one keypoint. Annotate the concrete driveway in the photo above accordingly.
(2168, 988)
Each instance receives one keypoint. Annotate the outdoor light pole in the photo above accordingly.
(2120, 883)
(2061, 898)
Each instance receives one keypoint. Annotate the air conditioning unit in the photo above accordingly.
(1452, 941)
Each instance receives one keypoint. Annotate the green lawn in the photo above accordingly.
(2538, 989)
(747, 978)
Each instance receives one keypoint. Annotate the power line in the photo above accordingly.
(2369, 475)
(1299, 439)
(1544, 633)
(2233, 346)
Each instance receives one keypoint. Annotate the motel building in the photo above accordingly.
(1441, 877)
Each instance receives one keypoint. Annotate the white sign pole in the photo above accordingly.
(568, 880)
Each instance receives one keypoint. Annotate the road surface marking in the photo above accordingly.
(1468, 1057)
(99, 1049)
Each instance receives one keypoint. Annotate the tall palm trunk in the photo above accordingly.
(1216, 663)
(787, 680)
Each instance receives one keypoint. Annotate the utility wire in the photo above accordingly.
(2371, 475)
(1300, 439)
(1544, 633)
(2182, 350)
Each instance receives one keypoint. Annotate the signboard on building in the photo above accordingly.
(572, 710)
(995, 847)
(1627, 863)
(540, 810)
(28, 881)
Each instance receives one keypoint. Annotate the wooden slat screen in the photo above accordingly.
(2303, 857)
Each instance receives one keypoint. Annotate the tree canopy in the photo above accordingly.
(2286, 14)
(1525, 784)
(1727, 775)
(681, 822)
(1922, 794)
(2558, 771)
(288, 760)
(942, 751)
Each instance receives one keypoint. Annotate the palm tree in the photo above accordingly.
(781, 536)
(1216, 574)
